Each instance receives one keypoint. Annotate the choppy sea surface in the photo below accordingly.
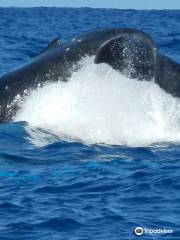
(98, 156)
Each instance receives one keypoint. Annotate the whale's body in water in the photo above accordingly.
(129, 51)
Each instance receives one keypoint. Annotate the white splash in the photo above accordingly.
(99, 105)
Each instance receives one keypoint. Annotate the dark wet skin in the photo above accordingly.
(128, 51)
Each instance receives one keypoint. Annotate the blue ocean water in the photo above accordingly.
(55, 188)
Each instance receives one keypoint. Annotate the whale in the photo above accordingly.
(131, 52)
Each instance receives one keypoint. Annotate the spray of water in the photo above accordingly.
(99, 105)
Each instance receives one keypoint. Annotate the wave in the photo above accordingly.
(99, 105)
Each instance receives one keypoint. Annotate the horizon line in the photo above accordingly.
(137, 9)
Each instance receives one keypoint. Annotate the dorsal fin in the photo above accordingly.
(53, 44)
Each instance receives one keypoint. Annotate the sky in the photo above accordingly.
(122, 4)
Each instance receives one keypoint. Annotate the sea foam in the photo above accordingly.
(99, 105)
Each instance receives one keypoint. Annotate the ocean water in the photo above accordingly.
(95, 157)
